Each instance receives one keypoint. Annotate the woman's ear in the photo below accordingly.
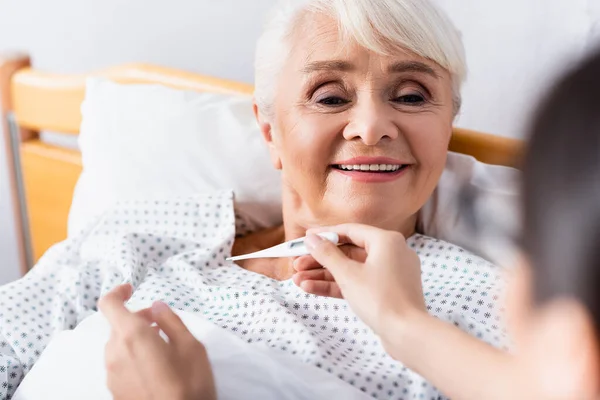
(563, 352)
(266, 128)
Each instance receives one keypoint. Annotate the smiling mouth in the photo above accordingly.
(372, 168)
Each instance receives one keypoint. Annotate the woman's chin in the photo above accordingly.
(376, 211)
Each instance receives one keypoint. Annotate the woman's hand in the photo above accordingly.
(380, 276)
(140, 364)
(313, 278)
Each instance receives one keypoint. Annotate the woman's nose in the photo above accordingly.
(371, 123)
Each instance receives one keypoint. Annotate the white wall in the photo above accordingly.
(514, 47)
(594, 13)
(210, 36)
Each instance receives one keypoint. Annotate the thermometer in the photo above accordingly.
(293, 248)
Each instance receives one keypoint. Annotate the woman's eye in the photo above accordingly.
(411, 99)
(332, 101)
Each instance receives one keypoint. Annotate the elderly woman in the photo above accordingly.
(356, 100)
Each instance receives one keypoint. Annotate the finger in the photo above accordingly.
(145, 314)
(306, 263)
(112, 356)
(314, 275)
(331, 257)
(322, 288)
(170, 323)
(112, 307)
(357, 234)
(354, 252)
(120, 363)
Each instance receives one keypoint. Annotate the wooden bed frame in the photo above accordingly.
(43, 176)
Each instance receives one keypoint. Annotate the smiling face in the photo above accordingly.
(359, 137)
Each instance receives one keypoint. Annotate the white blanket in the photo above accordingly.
(72, 368)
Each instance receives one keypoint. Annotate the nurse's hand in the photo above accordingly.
(380, 279)
(384, 289)
(141, 365)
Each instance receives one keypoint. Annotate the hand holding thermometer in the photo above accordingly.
(293, 248)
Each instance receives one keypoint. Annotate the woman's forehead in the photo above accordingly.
(318, 45)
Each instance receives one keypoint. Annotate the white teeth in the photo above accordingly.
(370, 167)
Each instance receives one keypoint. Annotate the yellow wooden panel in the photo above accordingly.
(486, 148)
(49, 175)
(46, 101)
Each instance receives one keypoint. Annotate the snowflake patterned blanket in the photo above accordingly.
(174, 250)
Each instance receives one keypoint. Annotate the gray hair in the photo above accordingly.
(378, 25)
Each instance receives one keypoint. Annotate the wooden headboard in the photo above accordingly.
(44, 176)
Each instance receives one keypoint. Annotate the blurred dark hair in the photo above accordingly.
(561, 190)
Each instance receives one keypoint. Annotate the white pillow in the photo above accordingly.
(495, 206)
(148, 141)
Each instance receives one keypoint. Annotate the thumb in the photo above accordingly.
(169, 322)
(329, 256)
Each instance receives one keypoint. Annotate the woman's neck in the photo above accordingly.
(298, 218)
(275, 268)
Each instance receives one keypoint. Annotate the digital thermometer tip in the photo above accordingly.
(292, 248)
